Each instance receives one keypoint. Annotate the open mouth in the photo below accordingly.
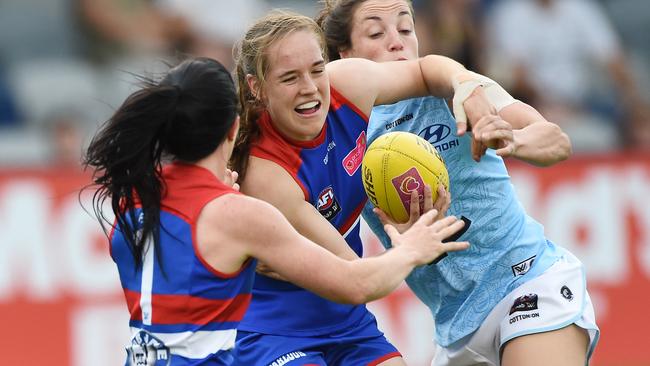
(308, 108)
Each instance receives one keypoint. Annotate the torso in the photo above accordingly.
(327, 171)
(178, 303)
(504, 242)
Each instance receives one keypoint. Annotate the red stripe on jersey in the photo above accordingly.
(183, 309)
(353, 217)
(384, 358)
(133, 303)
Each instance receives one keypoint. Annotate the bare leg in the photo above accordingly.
(563, 347)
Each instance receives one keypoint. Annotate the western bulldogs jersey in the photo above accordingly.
(183, 311)
(507, 247)
(328, 170)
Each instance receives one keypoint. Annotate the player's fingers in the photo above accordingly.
(506, 151)
(461, 128)
(383, 217)
(428, 198)
(478, 149)
(454, 246)
(449, 228)
(505, 135)
(392, 233)
(442, 202)
(415, 206)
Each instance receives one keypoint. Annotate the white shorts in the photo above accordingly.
(554, 300)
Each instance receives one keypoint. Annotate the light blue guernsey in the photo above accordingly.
(507, 248)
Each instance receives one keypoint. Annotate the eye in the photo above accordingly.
(406, 31)
(289, 79)
(376, 35)
(319, 70)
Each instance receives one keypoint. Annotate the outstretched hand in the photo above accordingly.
(426, 235)
(441, 205)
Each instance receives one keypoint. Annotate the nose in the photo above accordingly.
(395, 42)
(308, 85)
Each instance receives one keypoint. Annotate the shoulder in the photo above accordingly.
(238, 210)
(351, 78)
(272, 183)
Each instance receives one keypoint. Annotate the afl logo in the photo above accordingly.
(327, 204)
(435, 133)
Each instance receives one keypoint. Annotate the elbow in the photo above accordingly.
(359, 295)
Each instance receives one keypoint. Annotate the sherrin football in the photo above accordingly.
(396, 164)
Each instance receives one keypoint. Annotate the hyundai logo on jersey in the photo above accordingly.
(435, 133)
(327, 204)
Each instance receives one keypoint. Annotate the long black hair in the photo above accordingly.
(185, 117)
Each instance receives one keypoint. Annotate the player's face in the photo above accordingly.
(383, 30)
(296, 92)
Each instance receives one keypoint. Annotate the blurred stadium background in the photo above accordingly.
(66, 64)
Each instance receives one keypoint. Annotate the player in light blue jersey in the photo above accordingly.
(514, 298)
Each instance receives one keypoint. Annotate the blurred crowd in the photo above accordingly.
(65, 65)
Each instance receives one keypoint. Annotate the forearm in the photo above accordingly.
(541, 144)
(375, 277)
(441, 73)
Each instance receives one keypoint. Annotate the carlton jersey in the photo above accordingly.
(507, 247)
(183, 311)
(328, 170)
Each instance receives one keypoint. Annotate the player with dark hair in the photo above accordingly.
(504, 301)
(184, 239)
(302, 141)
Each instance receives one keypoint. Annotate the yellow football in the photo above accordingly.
(396, 164)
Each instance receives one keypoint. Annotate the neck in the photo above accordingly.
(217, 162)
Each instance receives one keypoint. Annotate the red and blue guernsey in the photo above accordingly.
(328, 171)
(183, 311)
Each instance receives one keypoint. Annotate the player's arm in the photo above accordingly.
(366, 83)
(518, 130)
(271, 183)
(264, 233)
(536, 140)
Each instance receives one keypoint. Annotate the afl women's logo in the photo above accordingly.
(435, 133)
(327, 204)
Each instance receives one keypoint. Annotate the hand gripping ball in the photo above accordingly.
(396, 164)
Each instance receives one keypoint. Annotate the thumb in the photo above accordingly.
(461, 117)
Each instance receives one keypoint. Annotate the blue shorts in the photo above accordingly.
(364, 344)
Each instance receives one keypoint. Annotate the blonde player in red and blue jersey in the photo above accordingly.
(515, 297)
(302, 142)
(184, 237)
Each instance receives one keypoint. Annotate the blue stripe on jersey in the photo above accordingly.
(178, 254)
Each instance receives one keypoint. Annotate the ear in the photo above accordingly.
(345, 54)
(234, 129)
(253, 85)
